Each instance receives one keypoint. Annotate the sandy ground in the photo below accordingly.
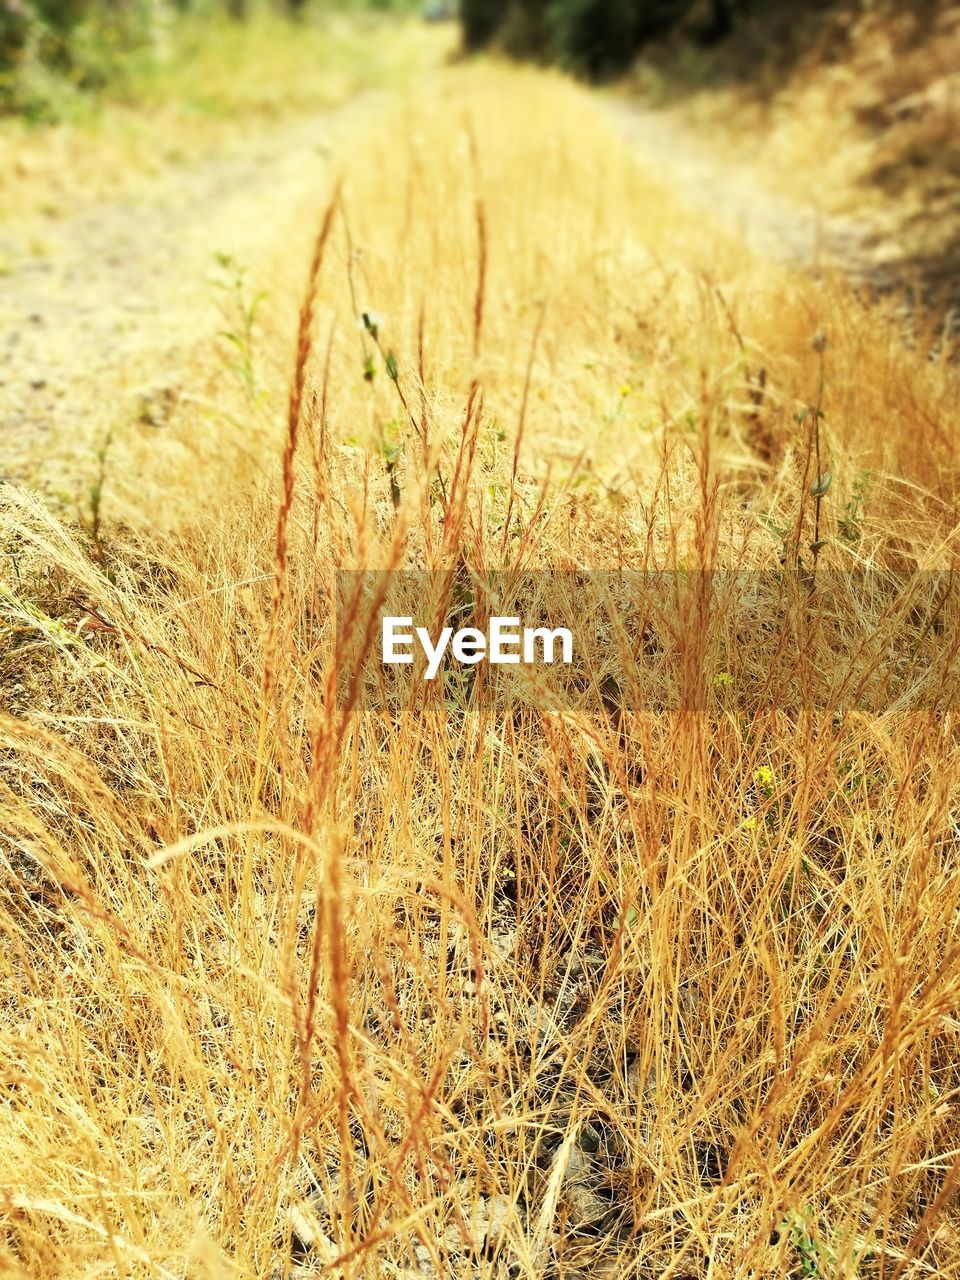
(107, 313)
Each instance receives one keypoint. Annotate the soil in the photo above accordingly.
(107, 312)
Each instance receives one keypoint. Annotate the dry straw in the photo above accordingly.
(458, 988)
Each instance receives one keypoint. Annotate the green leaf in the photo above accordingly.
(849, 530)
(821, 484)
(391, 366)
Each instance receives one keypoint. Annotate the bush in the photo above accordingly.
(14, 31)
(523, 32)
(52, 51)
(64, 15)
(594, 36)
(481, 20)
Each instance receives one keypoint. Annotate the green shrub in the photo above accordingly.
(523, 31)
(64, 15)
(14, 31)
(52, 51)
(594, 36)
(481, 20)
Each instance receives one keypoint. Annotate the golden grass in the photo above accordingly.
(452, 993)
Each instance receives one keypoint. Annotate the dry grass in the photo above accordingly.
(456, 993)
(853, 110)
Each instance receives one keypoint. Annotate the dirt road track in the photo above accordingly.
(867, 250)
(734, 195)
(102, 310)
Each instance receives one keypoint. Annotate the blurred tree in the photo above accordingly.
(597, 36)
(14, 32)
(77, 40)
(481, 19)
(63, 15)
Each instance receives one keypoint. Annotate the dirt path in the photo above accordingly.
(735, 196)
(103, 311)
(877, 249)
